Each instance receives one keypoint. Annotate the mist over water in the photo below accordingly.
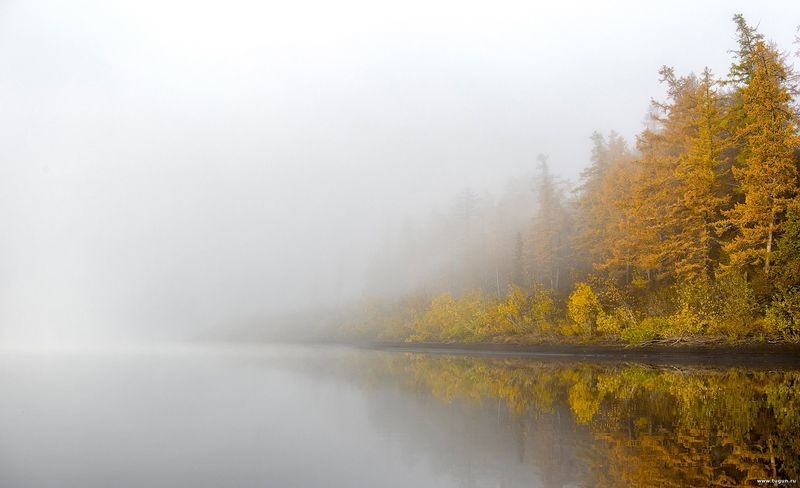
(222, 417)
(184, 185)
(170, 168)
(308, 417)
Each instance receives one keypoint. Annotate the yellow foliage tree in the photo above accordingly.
(583, 308)
(767, 174)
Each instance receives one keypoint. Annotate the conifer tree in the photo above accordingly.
(548, 237)
(767, 168)
(657, 186)
(605, 189)
(702, 195)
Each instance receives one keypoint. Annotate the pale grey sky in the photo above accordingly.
(171, 164)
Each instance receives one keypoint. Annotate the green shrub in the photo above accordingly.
(645, 330)
(783, 314)
(614, 322)
(608, 323)
(695, 308)
(735, 306)
(726, 306)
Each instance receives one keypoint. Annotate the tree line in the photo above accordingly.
(693, 230)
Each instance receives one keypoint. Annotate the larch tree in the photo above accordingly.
(601, 225)
(787, 257)
(679, 193)
(702, 193)
(767, 166)
(657, 185)
(548, 239)
(748, 38)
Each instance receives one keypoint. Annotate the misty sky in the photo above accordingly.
(171, 165)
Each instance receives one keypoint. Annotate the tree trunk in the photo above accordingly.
(769, 240)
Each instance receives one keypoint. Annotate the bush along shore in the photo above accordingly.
(693, 236)
(697, 313)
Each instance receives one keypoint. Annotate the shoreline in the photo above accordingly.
(766, 355)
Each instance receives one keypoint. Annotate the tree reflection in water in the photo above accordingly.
(620, 425)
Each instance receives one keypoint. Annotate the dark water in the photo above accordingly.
(323, 417)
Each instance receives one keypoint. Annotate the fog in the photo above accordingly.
(169, 168)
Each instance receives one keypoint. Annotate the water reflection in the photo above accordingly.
(622, 425)
(309, 417)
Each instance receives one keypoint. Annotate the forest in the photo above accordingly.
(689, 233)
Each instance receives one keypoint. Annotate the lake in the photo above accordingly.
(335, 417)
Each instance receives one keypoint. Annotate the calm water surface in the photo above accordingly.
(328, 417)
